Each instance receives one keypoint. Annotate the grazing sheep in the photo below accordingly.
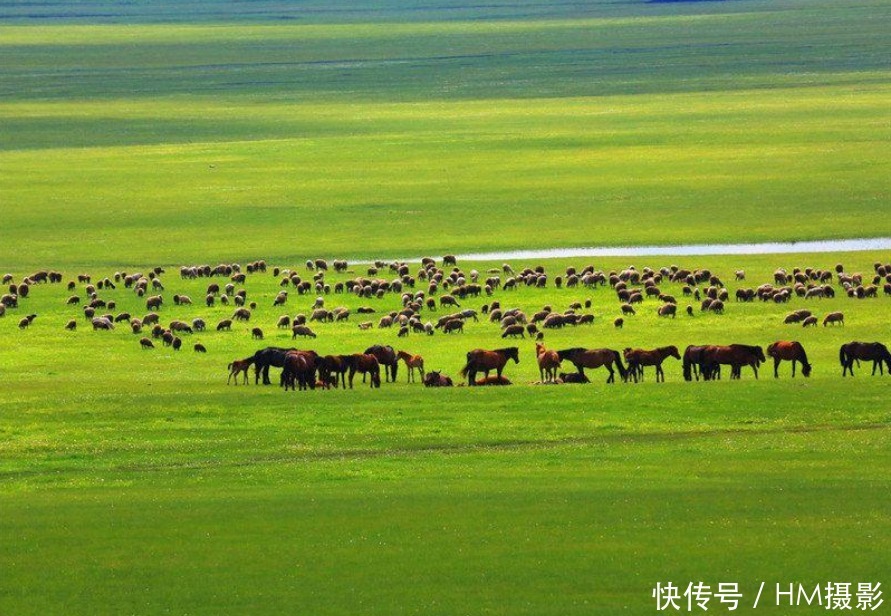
(668, 309)
(512, 331)
(284, 322)
(242, 314)
(833, 317)
(102, 323)
(145, 343)
(619, 322)
(154, 302)
(810, 321)
(177, 343)
(71, 325)
(224, 325)
(366, 325)
(257, 333)
(199, 348)
(628, 309)
(302, 330)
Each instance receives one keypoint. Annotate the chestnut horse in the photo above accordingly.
(789, 351)
(867, 351)
(638, 358)
(548, 362)
(412, 362)
(481, 360)
(236, 367)
(735, 355)
(594, 358)
(366, 363)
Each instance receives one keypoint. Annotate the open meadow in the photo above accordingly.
(169, 134)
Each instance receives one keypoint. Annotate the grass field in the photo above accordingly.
(172, 133)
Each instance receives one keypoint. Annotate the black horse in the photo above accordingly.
(264, 358)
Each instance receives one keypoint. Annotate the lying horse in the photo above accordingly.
(595, 358)
(481, 360)
(789, 351)
(867, 351)
(436, 379)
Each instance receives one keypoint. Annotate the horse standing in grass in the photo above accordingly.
(789, 351)
(638, 358)
(692, 360)
(866, 351)
(386, 357)
(595, 358)
(335, 366)
(300, 369)
(548, 363)
(735, 355)
(412, 362)
(481, 360)
(238, 366)
(366, 363)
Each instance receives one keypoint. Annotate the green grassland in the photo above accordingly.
(686, 122)
(153, 485)
(184, 132)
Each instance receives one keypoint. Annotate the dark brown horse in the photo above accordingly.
(481, 360)
(735, 355)
(789, 351)
(333, 369)
(638, 358)
(691, 361)
(366, 363)
(437, 379)
(867, 351)
(299, 369)
(595, 358)
(386, 357)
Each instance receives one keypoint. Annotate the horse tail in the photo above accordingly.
(465, 369)
(622, 372)
(842, 356)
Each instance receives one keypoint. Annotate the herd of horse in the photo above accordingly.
(306, 369)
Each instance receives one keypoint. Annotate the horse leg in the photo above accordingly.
(612, 374)
(776, 367)
(659, 373)
(352, 374)
(266, 380)
(793, 368)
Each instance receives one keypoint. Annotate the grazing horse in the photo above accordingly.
(867, 351)
(594, 358)
(638, 358)
(300, 368)
(239, 365)
(386, 357)
(412, 362)
(548, 363)
(790, 351)
(692, 360)
(336, 366)
(366, 363)
(481, 360)
(436, 379)
(734, 355)
(264, 358)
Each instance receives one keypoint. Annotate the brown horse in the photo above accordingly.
(412, 362)
(366, 363)
(333, 369)
(594, 358)
(386, 357)
(299, 369)
(492, 380)
(436, 379)
(481, 360)
(789, 351)
(638, 358)
(548, 363)
(239, 366)
(735, 355)
(867, 351)
(692, 360)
